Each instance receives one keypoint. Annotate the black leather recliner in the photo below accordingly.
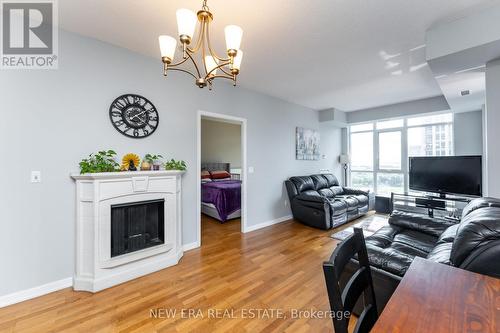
(472, 244)
(319, 201)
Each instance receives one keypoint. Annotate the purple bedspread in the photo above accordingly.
(224, 195)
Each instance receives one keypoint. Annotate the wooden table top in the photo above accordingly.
(437, 298)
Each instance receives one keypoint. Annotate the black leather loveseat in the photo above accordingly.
(472, 244)
(319, 201)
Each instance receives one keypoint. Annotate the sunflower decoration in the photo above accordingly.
(130, 162)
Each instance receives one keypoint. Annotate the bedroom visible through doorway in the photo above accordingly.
(221, 169)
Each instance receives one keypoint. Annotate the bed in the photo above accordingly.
(220, 198)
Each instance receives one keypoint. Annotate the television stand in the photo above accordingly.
(444, 206)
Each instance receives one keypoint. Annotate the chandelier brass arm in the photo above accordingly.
(211, 61)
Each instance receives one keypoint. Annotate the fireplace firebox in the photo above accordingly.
(137, 226)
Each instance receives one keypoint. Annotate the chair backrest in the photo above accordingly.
(359, 284)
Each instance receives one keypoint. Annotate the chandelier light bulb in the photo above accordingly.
(186, 22)
(167, 47)
(233, 37)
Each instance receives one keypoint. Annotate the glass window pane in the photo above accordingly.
(390, 124)
(440, 118)
(434, 140)
(362, 151)
(389, 150)
(362, 180)
(390, 182)
(362, 127)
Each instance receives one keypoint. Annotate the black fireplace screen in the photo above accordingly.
(136, 226)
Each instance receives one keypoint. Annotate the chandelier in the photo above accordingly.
(212, 65)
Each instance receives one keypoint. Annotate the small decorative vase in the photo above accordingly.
(131, 166)
(145, 166)
(156, 167)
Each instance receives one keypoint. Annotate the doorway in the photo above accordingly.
(237, 172)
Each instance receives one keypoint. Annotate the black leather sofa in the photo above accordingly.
(472, 244)
(319, 201)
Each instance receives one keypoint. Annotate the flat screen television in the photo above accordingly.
(447, 175)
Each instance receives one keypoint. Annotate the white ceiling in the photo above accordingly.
(347, 54)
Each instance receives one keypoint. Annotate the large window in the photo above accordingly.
(380, 150)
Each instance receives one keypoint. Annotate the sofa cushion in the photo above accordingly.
(339, 207)
(388, 259)
(326, 192)
(337, 190)
(393, 248)
(477, 228)
(448, 235)
(350, 201)
(362, 200)
(331, 180)
(319, 181)
(419, 222)
(441, 253)
(302, 183)
(424, 243)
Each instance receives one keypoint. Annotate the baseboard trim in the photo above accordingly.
(24, 295)
(267, 224)
(190, 246)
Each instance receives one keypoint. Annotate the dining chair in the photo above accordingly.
(360, 283)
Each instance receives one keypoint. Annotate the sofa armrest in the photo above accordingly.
(313, 210)
(354, 191)
(419, 222)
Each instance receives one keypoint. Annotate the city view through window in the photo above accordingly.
(380, 150)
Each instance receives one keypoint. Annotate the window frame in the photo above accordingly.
(404, 148)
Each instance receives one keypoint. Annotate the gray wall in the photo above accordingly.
(421, 106)
(53, 119)
(331, 148)
(468, 133)
(221, 142)
(492, 133)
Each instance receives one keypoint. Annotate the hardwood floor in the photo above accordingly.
(278, 268)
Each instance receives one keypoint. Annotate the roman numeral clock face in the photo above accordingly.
(134, 116)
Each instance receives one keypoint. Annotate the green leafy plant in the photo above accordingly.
(175, 165)
(151, 159)
(102, 161)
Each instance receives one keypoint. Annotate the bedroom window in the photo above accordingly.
(380, 150)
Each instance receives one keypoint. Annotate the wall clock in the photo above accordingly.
(134, 116)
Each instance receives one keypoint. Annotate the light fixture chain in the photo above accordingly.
(205, 7)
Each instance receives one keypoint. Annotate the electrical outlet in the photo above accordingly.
(36, 176)
(286, 203)
(251, 169)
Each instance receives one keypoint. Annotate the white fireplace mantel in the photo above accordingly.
(95, 194)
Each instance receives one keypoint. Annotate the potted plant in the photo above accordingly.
(102, 161)
(154, 160)
(175, 165)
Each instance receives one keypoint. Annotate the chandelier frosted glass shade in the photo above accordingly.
(212, 65)
(233, 37)
(186, 22)
(167, 47)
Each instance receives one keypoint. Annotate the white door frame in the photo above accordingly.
(243, 123)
